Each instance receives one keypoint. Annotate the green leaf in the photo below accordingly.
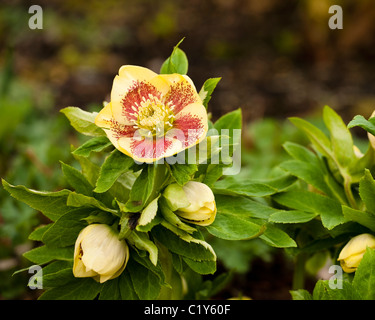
(80, 200)
(146, 283)
(249, 189)
(113, 167)
(231, 186)
(110, 290)
(282, 183)
(121, 187)
(96, 144)
(292, 216)
(65, 230)
(182, 173)
(275, 237)
(89, 169)
(44, 254)
(99, 217)
(358, 166)
(120, 288)
(212, 173)
(308, 172)
(180, 242)
(76, 179)
(362, 217)
(176, 63)
(329, 209)
(367, 191)
(142, 242)
(299, 152)
(210, 288)
(322, 291)
(141, 258)
(57, 273)
(364, 279)
(207, 89)
(148, 213)
(37, 234)
(316, 174)
(211, 148)
(230, 120)
(146, 187)
(315, 135)
(51, 204)
(360, 121)
(300, 294)
(312, 169)
(341, 139)
(83, 121)
(80, 289)
(243, 206)
(235, 227)
(126, 287)
(201, 267)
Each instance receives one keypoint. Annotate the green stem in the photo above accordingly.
(160, 176)
(349, 193)
(299, 272)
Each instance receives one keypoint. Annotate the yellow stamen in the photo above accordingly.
(154, 116)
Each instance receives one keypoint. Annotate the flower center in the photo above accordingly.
(154, 118)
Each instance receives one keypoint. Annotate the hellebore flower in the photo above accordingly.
(98, 253)
(194, 202)
(352, 254)
(153, 116)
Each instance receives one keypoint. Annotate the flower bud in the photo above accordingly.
(98, 253)
(371, 137)
(352, 254)
(194, 202)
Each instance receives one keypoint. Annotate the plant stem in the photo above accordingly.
(349, 193)
(299, 272)
(160, 176)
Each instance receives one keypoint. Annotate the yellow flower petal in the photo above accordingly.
(136, 73)
(357, 245)
(104, 117)
(128, 77)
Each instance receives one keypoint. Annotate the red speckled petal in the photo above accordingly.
(182, 92)
(192, 121)
(150, 149)
(126, 109)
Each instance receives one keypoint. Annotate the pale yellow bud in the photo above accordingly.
(352, 254)
(98, 253)
(194, 202)
(371, 137)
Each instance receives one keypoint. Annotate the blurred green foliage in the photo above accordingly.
(32, 141)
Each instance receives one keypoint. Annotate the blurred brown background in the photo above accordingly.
(276, 58)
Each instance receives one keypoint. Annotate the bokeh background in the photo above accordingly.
(276, 59)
